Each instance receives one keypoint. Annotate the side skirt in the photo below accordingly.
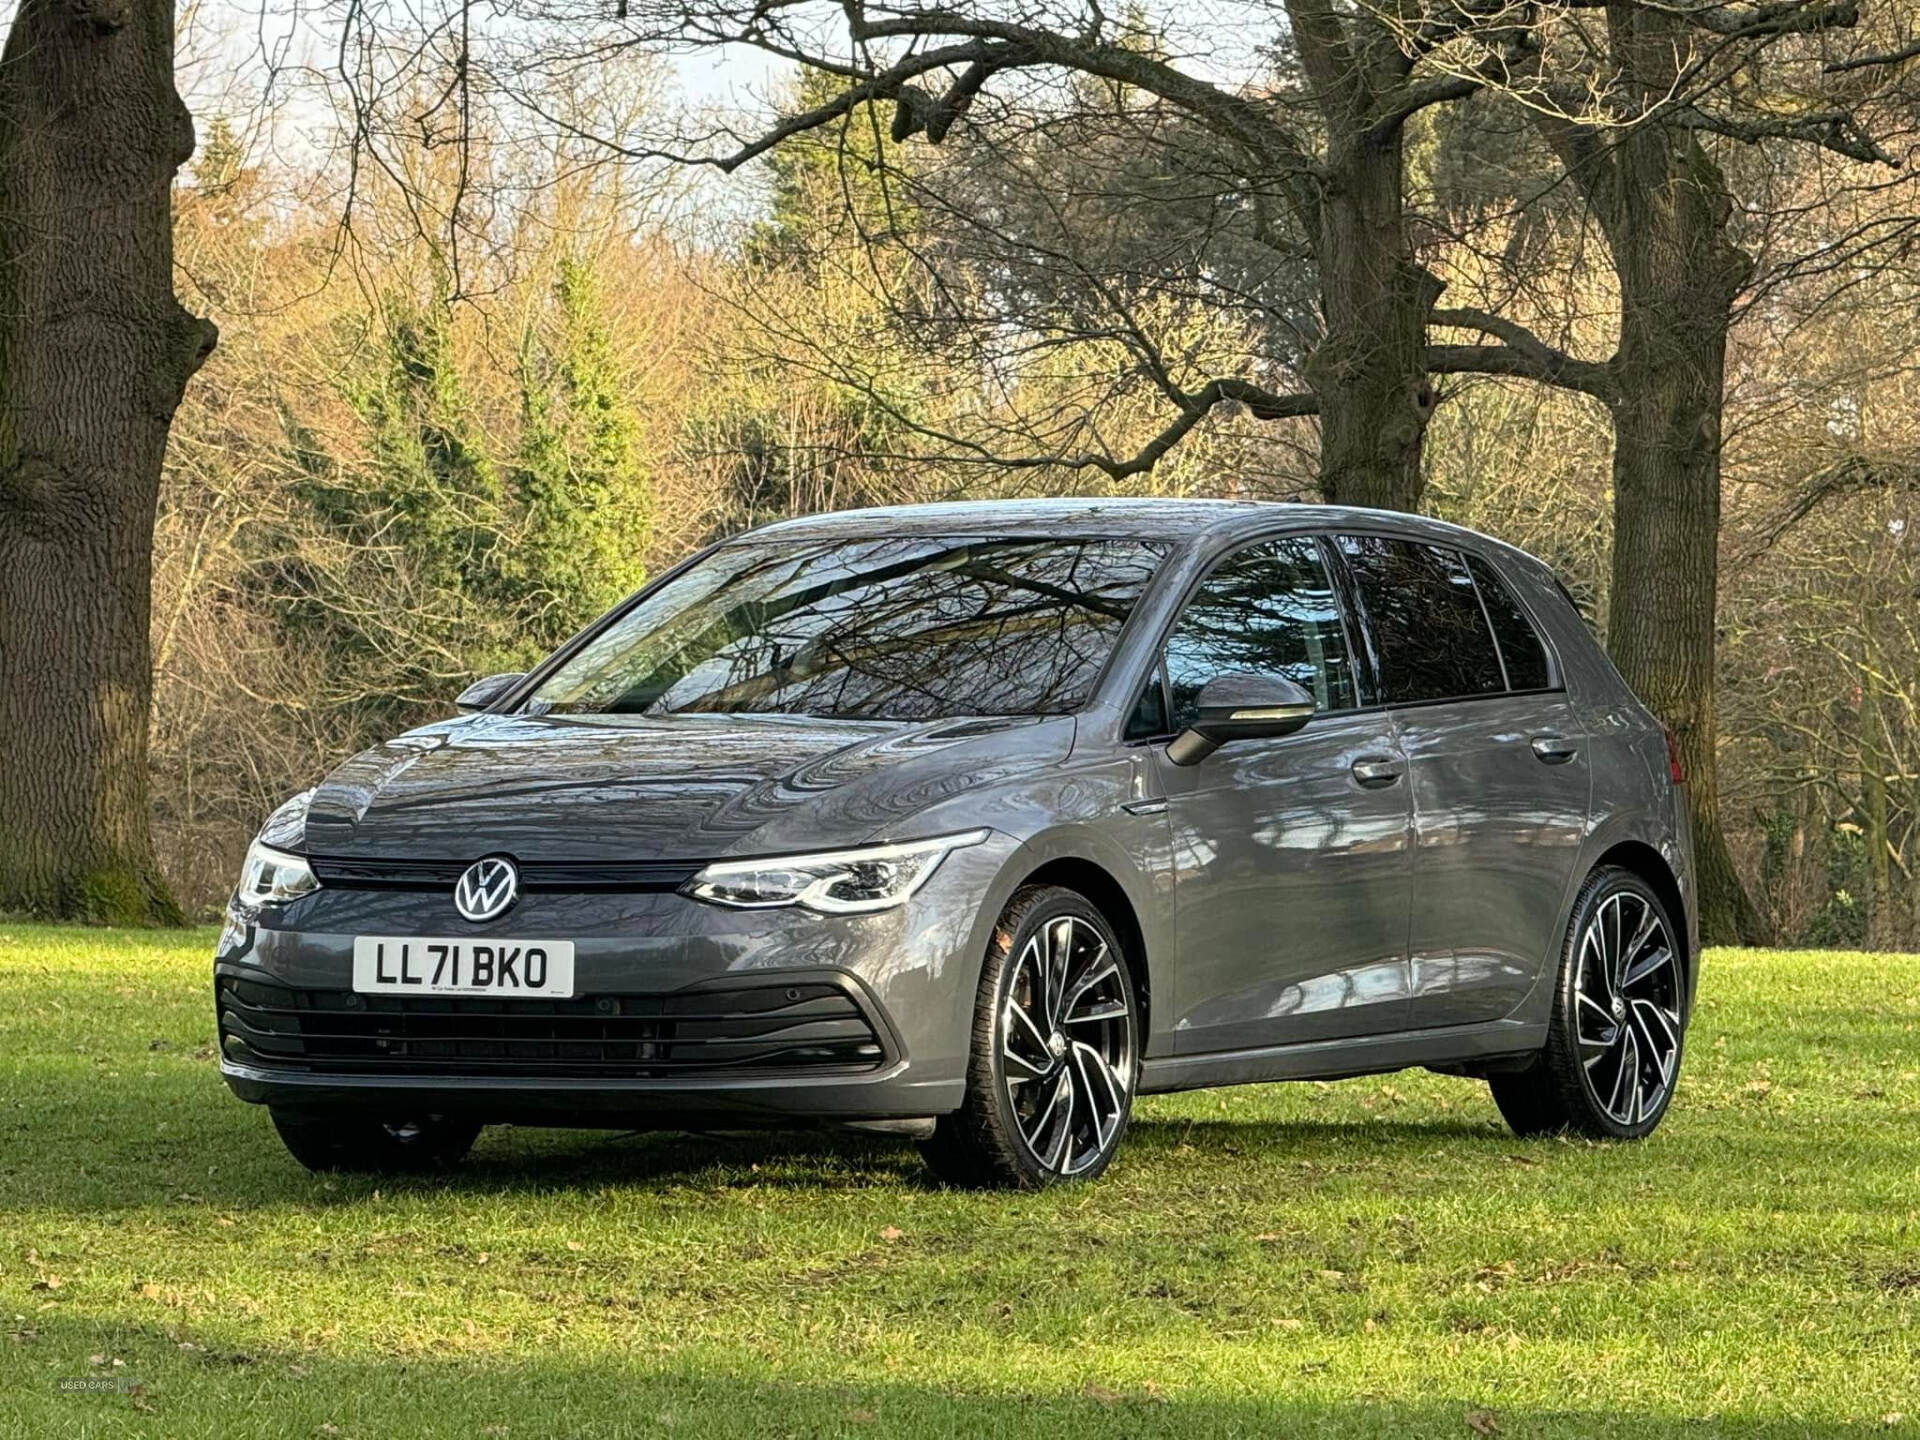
(1457, 1049)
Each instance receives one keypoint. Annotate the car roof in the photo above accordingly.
(1118, 517)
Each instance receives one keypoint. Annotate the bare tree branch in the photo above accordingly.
(1885, 57)
(1523, 355)
(1262, 404)
(1253, 126)
(1835, 130)
(1850, 475)
(1760, 21)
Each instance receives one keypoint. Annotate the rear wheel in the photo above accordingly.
(1618, 1028)
(1055, 1054)
(325, 1140)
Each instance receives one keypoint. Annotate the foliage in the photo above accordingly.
(396, 540)
(578, 478)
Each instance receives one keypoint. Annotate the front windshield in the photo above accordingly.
(914, 628)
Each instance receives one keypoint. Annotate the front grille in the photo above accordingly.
(719, 1031)
(631, 876)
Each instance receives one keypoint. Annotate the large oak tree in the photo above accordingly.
(1668, 95)
(95, 352)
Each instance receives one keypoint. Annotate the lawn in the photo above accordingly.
(1377, 1257)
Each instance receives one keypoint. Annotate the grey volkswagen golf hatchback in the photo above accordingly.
(973, 822)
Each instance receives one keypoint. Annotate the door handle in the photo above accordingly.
(1554, 749)
(1376, 773)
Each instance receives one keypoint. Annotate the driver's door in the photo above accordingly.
(1291, 855)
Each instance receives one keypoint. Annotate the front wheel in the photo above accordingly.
(1614, 1042)
(1055, 1052)
(324, 1140)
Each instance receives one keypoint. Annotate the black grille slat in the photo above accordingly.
(833, 1029)
(713, 1007)
(385, 874)
(631, 877)
(769, 1028)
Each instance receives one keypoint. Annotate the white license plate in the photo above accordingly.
(413, 965)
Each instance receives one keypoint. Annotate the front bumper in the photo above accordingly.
(684, 1012)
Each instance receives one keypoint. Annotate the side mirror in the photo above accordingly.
(482, 693)
(1241, 707)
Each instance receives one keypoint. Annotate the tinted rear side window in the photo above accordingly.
(1520, 645)
(1429, 632)
(1266, 610)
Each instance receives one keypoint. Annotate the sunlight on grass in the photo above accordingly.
(1378, 1257)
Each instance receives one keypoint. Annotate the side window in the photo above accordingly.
(1429, 633)
(1266, 610)
(1520, 645)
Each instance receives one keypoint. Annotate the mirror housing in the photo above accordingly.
(482, 693)
(1241, 707)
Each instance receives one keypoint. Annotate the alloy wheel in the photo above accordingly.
(1627, 1008)
(1066, 1040)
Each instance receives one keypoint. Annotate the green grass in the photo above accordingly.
(1377, 1257)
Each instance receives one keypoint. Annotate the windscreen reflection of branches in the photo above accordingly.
(873, 629)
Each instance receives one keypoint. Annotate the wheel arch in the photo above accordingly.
(1105, 892)
(1641, 859)
(1634, 842)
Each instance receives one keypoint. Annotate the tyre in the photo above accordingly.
(1619, 1020)
(345, 1140)
(1055, 1051)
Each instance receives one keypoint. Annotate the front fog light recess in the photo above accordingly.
(843, 882)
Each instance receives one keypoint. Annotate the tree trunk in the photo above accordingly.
(95, 353)
(1875, 758)
(1679, 276)
(1369, 373)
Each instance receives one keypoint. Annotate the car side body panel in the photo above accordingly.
(1291, 888)
(1498, 832)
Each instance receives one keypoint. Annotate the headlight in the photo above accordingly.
(845, 882)
(273, 877)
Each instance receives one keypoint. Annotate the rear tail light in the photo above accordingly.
(1676, 771)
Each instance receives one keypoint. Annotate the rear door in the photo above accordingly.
(1290, 854)
(1500, 778)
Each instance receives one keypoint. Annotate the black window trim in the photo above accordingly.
(1486, 619)
(1156, 677)
(1556, 672)
(1360, 626)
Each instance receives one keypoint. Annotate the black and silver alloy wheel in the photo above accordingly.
(1055, 1051)
(1618, 1027)
(1627, 1007)
(1066, 1044)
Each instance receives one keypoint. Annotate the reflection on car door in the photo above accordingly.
(1291, 855)
(1500, 779)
